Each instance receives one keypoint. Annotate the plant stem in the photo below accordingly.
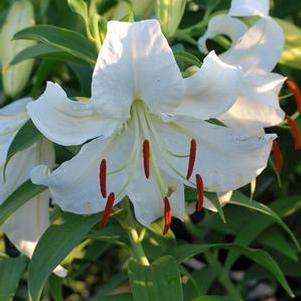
(137, 248)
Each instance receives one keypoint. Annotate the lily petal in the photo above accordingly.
(75, 184)
(12, 117)
(253, 51)
(222, 25)
(241, 8)
(148, 202)
(258, 106)
(25, 227)
(68, 122)
(211, 91)
(135, 62)
(225, 159)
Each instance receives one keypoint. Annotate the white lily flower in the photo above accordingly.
(150, 135)
(241, 8)
(256, 51)
(25, 226)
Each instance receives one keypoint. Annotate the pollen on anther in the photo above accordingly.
(295, 131)
(146, 157)
(103, 178)
(277, 155)
(192, 156)
(296, 91)
(167, 216)
(200, 192)
(108, 209)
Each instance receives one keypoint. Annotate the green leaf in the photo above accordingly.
(54, 246)
(123, 297)
(204, 279)
(260, 257)
(160, 281)
(18, 198)
(187, 58)
(214, 298)
(56, 288)
(259, 223)
(26, 137)
(43, 51)
(113, 283)
(66, 40)
(241, 200)
(291, 55)
(11, 270)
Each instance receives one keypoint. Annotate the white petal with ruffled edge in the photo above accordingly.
(226, 160)
(68, 122)
(211, 91)
(135, 62)
(258, 106)
(260, 48)
(242, 8)
(222, 25)
(75, 184)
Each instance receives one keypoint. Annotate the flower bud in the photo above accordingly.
(170, 13)
(20, 16)
(141, 9)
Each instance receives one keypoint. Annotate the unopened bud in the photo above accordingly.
(140, 8)
(170, 13)
(15, 78)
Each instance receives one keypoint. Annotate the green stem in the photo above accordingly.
(137, 248)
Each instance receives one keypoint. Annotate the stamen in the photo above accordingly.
(103, 178)
(200, 192)
(191, 158)
(295, 131)
(146, 157)
(108, 209)
(277, 155)
(167, 216)
(296, 91)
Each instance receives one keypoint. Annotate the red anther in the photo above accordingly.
(200, 192)
(103, 178)
(146, 157)
(167, 216)
(192, 157)
(277, 155)
(296, 91)
(108, 209)
(295, 131)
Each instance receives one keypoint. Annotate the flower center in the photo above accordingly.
(149, 147)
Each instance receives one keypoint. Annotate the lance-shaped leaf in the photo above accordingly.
(11, 270)
(66, 40)
(54, 246)
(160, 281)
